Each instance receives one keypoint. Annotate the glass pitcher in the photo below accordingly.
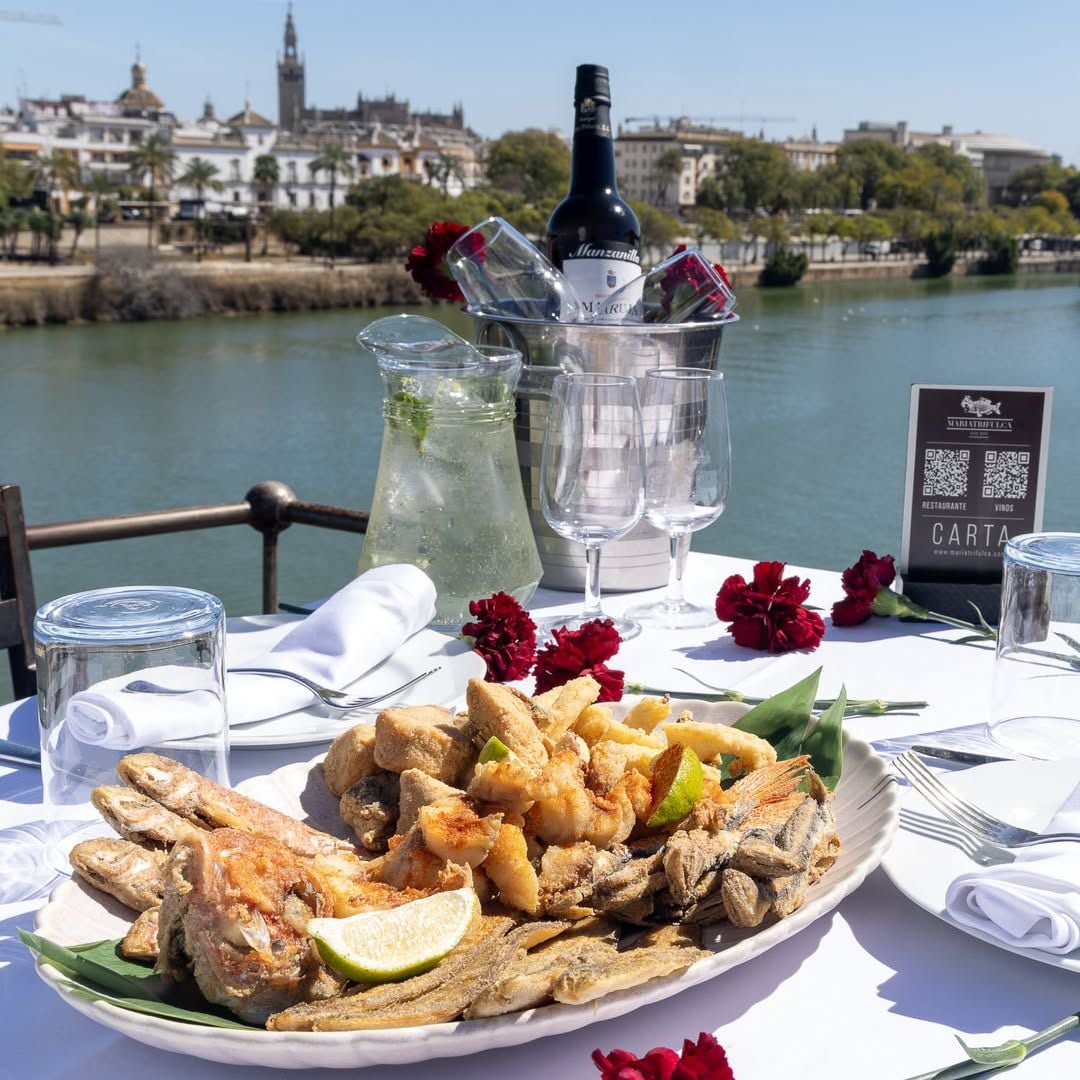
(448, 495)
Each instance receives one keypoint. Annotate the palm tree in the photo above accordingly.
(54, 170)
(265, 176)
(201, 175)
(152, 156)
(101, 187)
(333, 159)
(78, 220)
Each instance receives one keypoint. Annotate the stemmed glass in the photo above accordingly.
(592, 474)
(688, 475)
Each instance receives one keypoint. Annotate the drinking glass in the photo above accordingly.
(501, 272)
(592, 474)
(1035, 707)
(687, 476)
(685, 287)
(87, 647)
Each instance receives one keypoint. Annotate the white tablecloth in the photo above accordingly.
(875, 988)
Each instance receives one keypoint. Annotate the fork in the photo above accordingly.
(966, 814)
(333, 699)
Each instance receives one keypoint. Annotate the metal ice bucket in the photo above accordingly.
(639, 560)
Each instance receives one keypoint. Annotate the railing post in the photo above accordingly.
(269, 501)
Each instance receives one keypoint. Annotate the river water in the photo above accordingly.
(132, 417)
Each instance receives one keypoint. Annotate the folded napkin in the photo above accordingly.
(1032, 903)
(356, 629)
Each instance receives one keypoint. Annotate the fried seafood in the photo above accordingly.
(588, 898)
(134, 875)
(234, 916)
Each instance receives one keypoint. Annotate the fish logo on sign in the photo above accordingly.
(982, 406)
(612, 280)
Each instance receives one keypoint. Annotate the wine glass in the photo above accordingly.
(592, 474)
(688, 475)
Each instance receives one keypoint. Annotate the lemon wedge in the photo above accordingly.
(677, 780)
(494, 750)
(385, 946)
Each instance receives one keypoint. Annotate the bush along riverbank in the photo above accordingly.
(135, 288)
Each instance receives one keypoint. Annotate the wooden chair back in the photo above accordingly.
(17, 606)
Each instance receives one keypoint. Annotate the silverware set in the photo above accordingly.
(965, 814)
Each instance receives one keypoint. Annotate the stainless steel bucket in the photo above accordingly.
(640, 560)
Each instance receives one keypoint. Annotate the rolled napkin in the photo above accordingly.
(355, 630)
(1033, 902)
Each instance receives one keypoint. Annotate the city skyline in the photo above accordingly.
(973, 74)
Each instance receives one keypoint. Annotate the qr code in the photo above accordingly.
(1005, 474)
(945, 472)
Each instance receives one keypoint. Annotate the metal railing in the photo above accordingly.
(269, 508)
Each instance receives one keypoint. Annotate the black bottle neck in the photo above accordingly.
(592, 164)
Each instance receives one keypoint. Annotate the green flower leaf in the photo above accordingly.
(783, 713)
(825, 743)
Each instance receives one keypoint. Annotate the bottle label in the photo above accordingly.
(597, 271)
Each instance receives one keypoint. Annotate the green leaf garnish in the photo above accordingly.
(411, 413)
(783, 713)
(97, 972)
(825, 742)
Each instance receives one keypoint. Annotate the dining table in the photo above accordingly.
(875, 987)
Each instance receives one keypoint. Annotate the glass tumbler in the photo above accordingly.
(1035, 708)
(89, 646)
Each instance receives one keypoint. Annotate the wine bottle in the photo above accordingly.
(593, 235)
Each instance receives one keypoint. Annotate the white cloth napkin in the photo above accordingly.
(1032, 903)
(356, 629)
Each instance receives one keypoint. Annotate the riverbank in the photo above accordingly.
(130, 287)
(134, 290)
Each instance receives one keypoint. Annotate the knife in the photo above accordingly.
(20, 753)
(961, 757)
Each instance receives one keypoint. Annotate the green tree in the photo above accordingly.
(79, 220)
(1025, 185)
(659, 231)
(784, 267)
(201, 176)
(666, 170)
(153, 157)
(940, 250)
(752, 175)
(265, 177)
(532, 163)
(12, 221)
(103, 191)
(1052, 200)
(51, 171)
(442, 169)
(860, 168)
(335, 160)
(16, 179)
(715, 225)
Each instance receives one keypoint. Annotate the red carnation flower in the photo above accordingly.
(658, 1064)
(862, 583)
(504, 635)
(681, 284)
(581, 652)
(767, 614)
(703, 1060)
(427, 261)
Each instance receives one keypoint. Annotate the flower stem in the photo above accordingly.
(1012, 1052)
(855, 706)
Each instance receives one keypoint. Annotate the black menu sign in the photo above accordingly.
(976, 472)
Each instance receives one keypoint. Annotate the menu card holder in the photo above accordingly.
(976, 476)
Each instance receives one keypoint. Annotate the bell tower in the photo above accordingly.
(290, 81)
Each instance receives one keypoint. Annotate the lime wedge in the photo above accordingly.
(384, 946)
(676, 779)
(494, 750)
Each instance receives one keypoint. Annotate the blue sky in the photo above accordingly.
(989, 66)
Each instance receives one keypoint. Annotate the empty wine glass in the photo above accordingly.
(592, 474)
(687, 476)
(501, 272)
